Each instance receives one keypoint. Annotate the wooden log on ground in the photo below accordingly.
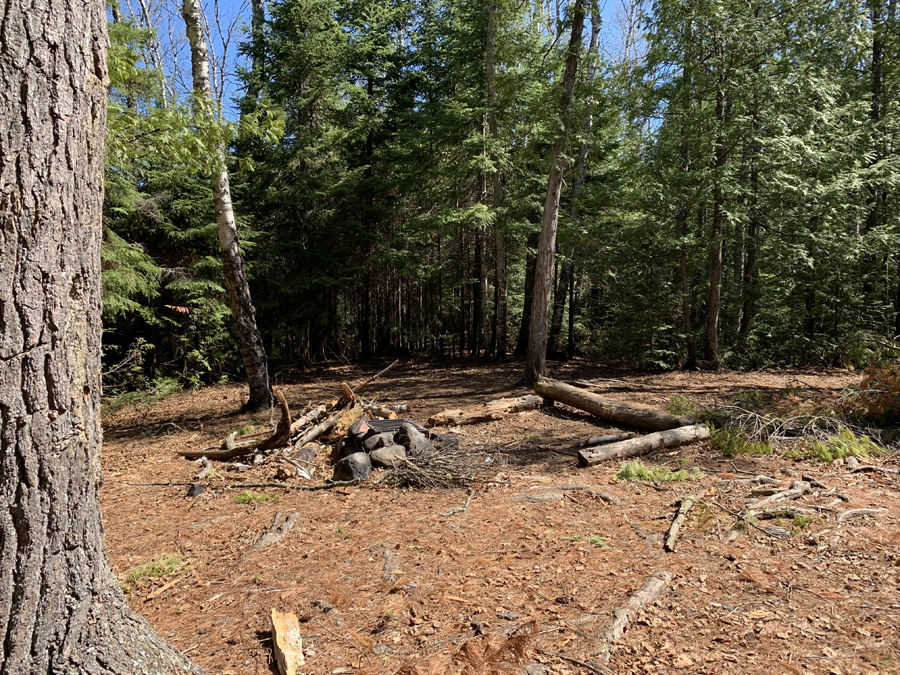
(643, 445)
(316, 431)
(311, 417)
(672, 535)
(282, 525)
(603, 440)
(607, 409)
(229, 449)
(492, 410)
(652, 590)
(287, 642)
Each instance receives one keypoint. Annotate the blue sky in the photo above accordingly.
(227, 24)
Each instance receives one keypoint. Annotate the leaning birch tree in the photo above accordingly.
(246, 333)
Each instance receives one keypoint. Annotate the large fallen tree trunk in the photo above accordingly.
(643, 445)
(607, 409)
(492, 410)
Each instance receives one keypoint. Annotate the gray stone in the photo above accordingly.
(416, 443)
(389, 457)
(536, 669)
(356, 466)
(378, 441)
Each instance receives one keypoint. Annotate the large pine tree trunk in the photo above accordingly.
(247, 334)
(536, 358)
(61, 608)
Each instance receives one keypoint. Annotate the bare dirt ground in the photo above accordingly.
(385, 579)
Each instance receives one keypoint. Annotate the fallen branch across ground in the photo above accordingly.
(686, 505)
(643, 445)
(652, 590)
(244, 486)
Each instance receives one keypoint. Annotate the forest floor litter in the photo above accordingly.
(532, 563)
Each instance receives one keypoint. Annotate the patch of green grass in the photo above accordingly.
(843, 444)
(801, 521)
(162, 566)
(247, 497)
(252, 427)
(598, 542)
(342, 532)
(659, 474)
(735, 442)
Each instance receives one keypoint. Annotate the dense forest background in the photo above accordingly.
(729, 191)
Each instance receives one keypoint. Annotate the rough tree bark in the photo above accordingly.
(536, 358)
(61, 608)
(247, 334)
(568, 266)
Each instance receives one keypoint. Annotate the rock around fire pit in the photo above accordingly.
(389, 444)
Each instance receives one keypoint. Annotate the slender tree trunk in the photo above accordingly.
(522, 342)
(501, 289)
(713, 305)
(536, 359)
(247, 334)
(565, 276)
(61, 608)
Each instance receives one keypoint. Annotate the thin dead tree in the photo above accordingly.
(247, 334)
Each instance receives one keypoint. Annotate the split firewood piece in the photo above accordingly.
(652, 590)
(282, 525)
(607, 409)
(492, 410)
(603, 440)
(311, 417)
(287, 641)
(316, 431)
(282, 435)
(380, 411)
(858, 513)
(643, 445)
(686, 505)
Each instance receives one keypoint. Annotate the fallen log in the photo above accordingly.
(311, 417)
(603, 440)
(652, 590)
(230, 449)
(316, 431)
(643, 445)
(282, 525)
(607, 409)
(492, 410)
(672, 535)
